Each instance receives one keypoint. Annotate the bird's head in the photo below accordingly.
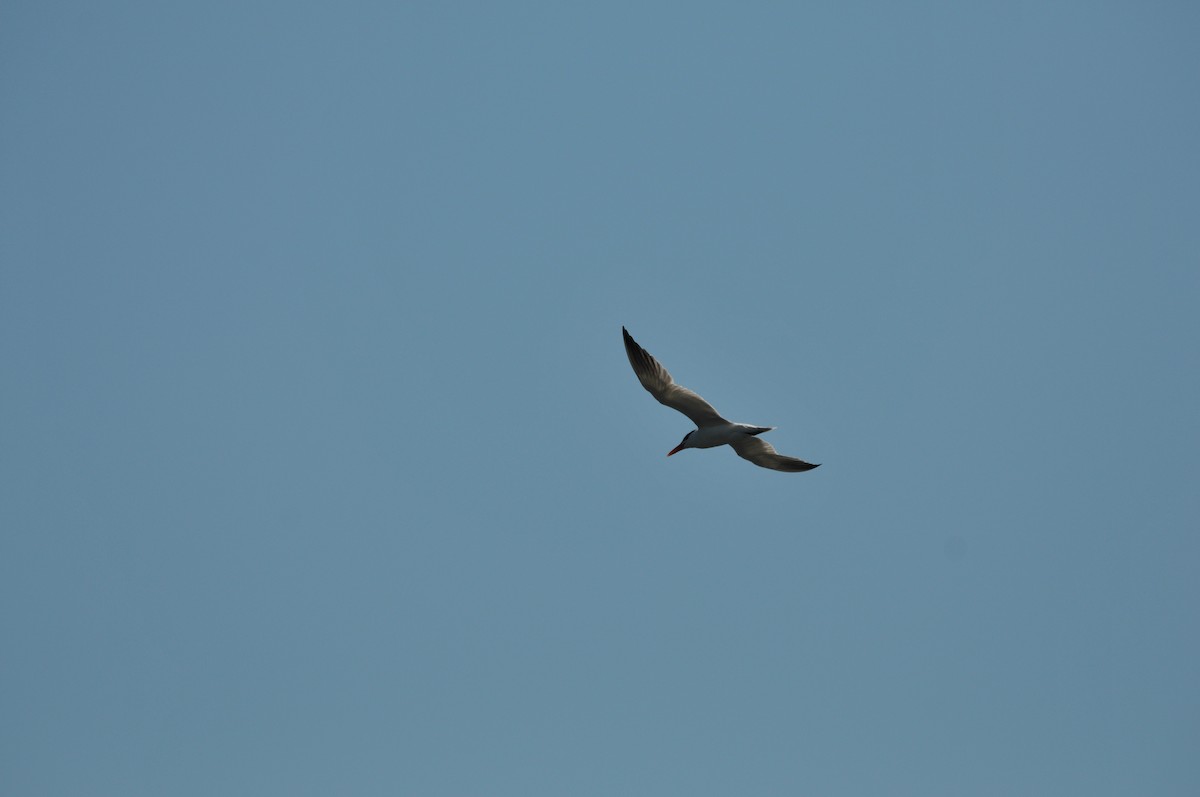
(684, 443)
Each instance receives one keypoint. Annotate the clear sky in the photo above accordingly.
(324, 471)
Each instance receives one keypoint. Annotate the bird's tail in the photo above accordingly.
(757, 430)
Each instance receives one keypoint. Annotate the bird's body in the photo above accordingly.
(723, 435)
(712, 430)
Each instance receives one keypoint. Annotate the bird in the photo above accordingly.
(711, 430)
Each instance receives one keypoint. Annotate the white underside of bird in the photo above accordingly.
(712, 430)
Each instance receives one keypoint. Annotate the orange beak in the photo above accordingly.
(675, 450)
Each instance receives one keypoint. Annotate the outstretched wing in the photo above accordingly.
(763, 454)
(658, 381)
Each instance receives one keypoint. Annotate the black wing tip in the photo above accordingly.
(635, 351)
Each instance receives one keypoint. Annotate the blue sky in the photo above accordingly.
(324, 470)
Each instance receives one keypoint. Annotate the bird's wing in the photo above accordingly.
(658, 381)
(763, 454)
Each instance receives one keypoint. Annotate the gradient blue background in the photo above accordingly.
(324, 471)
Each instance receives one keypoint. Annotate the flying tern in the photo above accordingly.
(711, 429)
